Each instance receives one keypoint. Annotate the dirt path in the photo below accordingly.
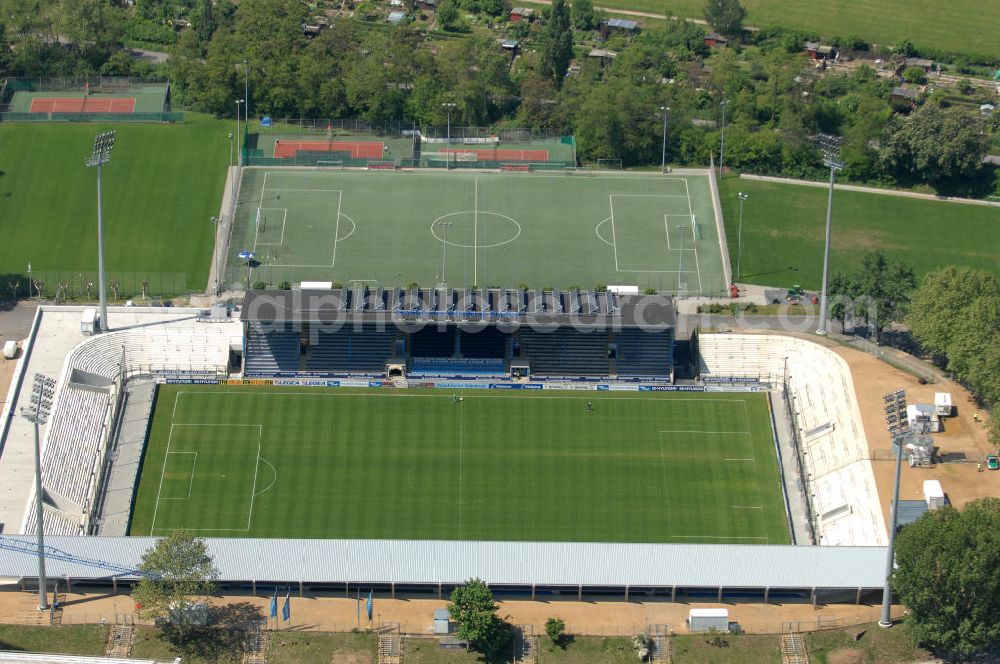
(625, 12)
(870, 190)
(340, 614)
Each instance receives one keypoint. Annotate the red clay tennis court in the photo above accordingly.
(83, 105)
(358, 149)
(502, 154)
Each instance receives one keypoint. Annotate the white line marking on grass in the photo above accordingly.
(719, 537)
(382, 394)
(651, 195)
(273, 481)
(156, 507)
(687, 192)
(308, 191)
(192, 424)
(177, 398)
(666, 485)
(731, 433)
(194, 464)
(749, 459)
(666, 228)
(253, 489)
(614, 239)
(461, 440)
(747, 507)
(284, 221)
(475, 232)
(597, 231)
(336, 232)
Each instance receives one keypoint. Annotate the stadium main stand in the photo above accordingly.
(464, 334)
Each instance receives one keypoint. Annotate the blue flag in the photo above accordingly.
(265, 121)
(274, 603)
(286, 610)
(369, 604)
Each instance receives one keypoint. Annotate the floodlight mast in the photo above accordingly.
(103, 144)
(831, 159)
(898, 425)
(37, 412)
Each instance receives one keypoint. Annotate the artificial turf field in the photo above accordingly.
(161, 189)
(414, 464)
(477, 229)
(784, 227)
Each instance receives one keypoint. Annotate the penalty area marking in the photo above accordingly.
(163, 468)
(256, 232)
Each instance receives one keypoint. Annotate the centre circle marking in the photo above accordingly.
(436, 222)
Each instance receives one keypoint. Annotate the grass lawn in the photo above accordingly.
(163, 185)
(696, 649)
(784, 226)
(478, 229)
(64, 639)
(352, 463)
(877, 645)
(969, 28)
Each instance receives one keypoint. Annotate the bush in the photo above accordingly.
(914, 75)
(285, 285)
(554, 627)
(259, 285)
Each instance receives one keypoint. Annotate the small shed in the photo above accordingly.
(818, 51)
(923, 63)
(426, 4)
(703, 620)
(904, 95)
(88, 321)
(602, 54)
(715, 40)
(518, 14)
(512, 46)
(618, 25)
(442, 621)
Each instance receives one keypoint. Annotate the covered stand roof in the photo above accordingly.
(497, 563)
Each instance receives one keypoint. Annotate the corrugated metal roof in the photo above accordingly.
(515, 563)
(622, 23)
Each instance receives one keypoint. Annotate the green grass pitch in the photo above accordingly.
(161, 189)
(784, 227)
(414, 464)
(478, 229)
(969, 27)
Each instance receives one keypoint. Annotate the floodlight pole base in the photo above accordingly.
(885, 625)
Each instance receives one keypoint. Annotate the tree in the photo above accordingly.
(555, 627)
(474, 610)
(943, 298)
(583, 16)
(934, 144)
(948, 576)
(176, 571)
(447, 14)
(725, 16)
(556, 44)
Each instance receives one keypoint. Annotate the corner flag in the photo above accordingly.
(369, 604)
(274, 603)
(286, 610)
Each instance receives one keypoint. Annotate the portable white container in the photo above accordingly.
(703, 620)
(933, 494)
(942, 403)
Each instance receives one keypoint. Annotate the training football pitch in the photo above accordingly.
(418, 464)
(477, 229)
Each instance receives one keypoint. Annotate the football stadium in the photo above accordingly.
(422, 375)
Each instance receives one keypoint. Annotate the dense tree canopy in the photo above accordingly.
(473, 608)
(934, 143)
(948, 576)
(725, 16)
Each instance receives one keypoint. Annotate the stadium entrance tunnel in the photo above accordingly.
(395, 371)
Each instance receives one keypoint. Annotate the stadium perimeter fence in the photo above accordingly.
(121, 286)
(152, 98)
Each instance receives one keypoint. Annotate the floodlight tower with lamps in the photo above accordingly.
(899, 428)
(37, 412)
(448, 105)
(101, 155)
(722, 139)
(739, 241)
(831, 159)
(663, 157)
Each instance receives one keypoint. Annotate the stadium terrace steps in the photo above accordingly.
(69, 459)
(637, 357)
(273, 352)
(437, 367)
(566, 352)
(833, 449)
(201, 349)
(348, 351)
(486, 343)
